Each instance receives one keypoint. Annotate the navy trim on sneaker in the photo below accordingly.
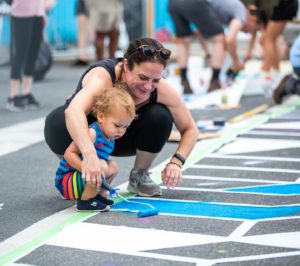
(104, 200)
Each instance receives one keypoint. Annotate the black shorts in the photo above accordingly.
(286, 10)
(149, 132)
(198, 12)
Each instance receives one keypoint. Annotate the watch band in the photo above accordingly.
(179, 157)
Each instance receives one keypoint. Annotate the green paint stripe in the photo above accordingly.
(208, 147)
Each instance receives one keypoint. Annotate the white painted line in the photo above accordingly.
(273, 133)
(230, 179)
(229, 192)
(247, 145)
(249, 157)
(241, 230)
(285, 240)
(254, 169)
(280, 125)
(198, 262)
(283, 218)
(31, 232)
(125, 241)
(257, 257)
(19, 136)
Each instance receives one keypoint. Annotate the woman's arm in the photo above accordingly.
(77, 124)
(185, 124)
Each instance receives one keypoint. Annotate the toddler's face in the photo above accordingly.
(114, 124)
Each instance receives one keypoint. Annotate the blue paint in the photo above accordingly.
(287, 189)
(210, 209)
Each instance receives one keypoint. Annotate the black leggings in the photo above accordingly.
(26, 37)
(149, 132)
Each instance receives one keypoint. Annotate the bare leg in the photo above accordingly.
(271, 55)
(14, 87)
(27, 84)
(143, 160)
(218, 51)
(183, 54)
(83, 26)
(99, 45)
(113, 42)
(89, 191)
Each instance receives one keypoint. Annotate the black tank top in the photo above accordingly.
(109, 65)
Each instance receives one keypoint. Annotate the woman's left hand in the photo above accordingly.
(172, 175)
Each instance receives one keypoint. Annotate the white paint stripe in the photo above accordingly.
(283, 218)
(230, 179)
(16, 137)
(31, 232)
(249, 157)
(198, 262)
(241, 230)
(229, 192)
(285, 240)
(125, 240)
(257, 257)
(256, 169)
(280, 125)
(273, 133)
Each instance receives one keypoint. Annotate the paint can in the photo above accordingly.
(219, 122)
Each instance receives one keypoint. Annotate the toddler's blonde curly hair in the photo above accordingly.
(109, 98)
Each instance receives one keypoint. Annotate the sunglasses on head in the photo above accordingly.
(150, 51)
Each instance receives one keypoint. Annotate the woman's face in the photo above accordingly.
(143, 79)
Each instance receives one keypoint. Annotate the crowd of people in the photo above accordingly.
(124, 106)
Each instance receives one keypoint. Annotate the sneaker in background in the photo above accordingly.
(16, 104)
(214, 85)
(92, 205)
(279, 92)
(141, 184)
(267, 85)
(186, 86)
(80, 63)
(32, 102)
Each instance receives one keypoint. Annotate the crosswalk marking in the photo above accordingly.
(249, 157)
(241, 168)
(19, 136)
(123, 239)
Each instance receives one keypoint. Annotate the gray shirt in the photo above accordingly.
(228, 10)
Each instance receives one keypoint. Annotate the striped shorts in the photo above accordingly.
(71, 185)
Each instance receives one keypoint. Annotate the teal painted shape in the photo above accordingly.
(286, 189)
(210, 209)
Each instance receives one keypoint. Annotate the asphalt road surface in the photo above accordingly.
(238, 204)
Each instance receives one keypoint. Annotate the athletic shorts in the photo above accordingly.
(198, 12)
(70, 186)
(286, 10)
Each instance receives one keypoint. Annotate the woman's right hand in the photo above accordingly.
(91, 169)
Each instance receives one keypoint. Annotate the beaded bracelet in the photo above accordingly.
(175, 164)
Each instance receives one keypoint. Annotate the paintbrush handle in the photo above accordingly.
(248, 114)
